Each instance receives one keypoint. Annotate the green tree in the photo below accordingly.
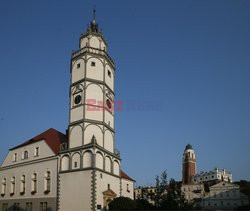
(122, 203)
(143, 204)
(169, 196)
(161, 188)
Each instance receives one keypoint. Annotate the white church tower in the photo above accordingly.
(89, 171)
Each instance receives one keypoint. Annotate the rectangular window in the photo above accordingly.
(43, 206)
(34, 183)
(25, 155)
(29, 206)
(37, 151)
(22, 185)
(12, 186)
(16, 207)
(15, 157)
(109, 73)
(47, 183)
(78, 65)
(3, 191)
(4, 207)
(75, 164)
(92, 64)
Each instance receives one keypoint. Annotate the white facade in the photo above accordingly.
(29, 176)
(224, 195)
(216, 174)
(80, 171)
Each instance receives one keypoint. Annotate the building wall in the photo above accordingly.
(127, 188)
(17, 191)
(192, 191)
(216, 174)
(76, 191)
(104, 182)
(44, 152)
(224, 196)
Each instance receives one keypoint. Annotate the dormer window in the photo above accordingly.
(25, 154)
(92, 64)
(36, 151)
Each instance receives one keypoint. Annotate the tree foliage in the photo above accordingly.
(122, 203)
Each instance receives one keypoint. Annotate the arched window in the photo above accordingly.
(3, 191)
(25, 154)
(22, 185)
(47, 182)
(34, 183)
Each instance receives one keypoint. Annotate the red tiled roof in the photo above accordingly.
(51, 136)
(125, 176)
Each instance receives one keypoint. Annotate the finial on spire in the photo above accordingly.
(93, 24)
(94, 12)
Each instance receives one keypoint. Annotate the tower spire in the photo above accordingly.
(93, 24)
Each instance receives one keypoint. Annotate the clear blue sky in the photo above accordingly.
(191, 57)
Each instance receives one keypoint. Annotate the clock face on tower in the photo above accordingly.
(77, 99)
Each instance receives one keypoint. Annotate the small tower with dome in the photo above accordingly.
(188, 164)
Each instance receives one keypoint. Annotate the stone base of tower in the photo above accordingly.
(107, 188)
(87, 190)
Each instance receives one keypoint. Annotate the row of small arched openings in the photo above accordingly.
(88, 160)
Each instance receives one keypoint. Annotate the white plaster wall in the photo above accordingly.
(108, 141)
(99, 160)
(76, 114)
(76, 158)
(91, 130)
(87, 159)
(78, 73)
(109, 80)
(116, 168)
(94, 115)
(108, 164)
(44, 151)
(75, 194)
(28, 169)
(102, 45)
(75, 136)
(84, 42)
(94, 42)
(127, 188)
(102, 185)
(65, 163)
(95, 92)
(95, 72)
(109, 119)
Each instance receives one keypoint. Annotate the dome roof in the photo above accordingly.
(189, 146)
